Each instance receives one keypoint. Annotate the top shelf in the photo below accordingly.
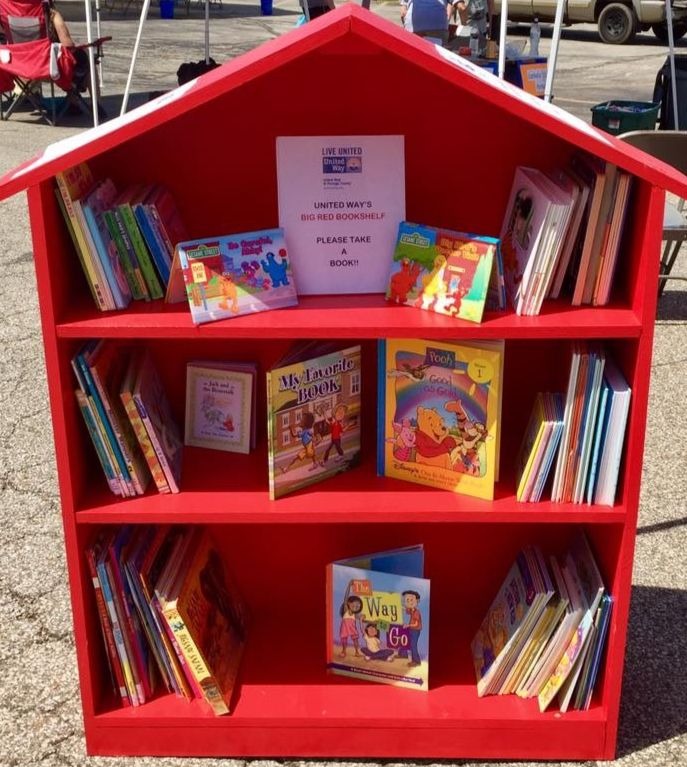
(348, 316)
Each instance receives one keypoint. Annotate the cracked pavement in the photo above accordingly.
(40, 719)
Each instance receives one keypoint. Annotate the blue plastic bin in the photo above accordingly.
(166, 9)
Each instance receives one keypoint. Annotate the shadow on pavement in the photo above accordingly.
(654, 705)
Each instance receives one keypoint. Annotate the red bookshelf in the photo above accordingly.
(349, 73)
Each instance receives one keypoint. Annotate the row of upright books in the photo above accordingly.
(125, 239)
(561, 233)
(170, 614)
(439, 418)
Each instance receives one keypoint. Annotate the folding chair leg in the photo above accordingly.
(670, 251)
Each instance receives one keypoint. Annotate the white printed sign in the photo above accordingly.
(341, 199)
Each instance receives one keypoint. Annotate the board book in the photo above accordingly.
(439, 413)
(378, 618)
(220, 405)
(234, 274)
(313, 415)
(441, 270)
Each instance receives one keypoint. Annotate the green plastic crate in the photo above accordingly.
(622, 116)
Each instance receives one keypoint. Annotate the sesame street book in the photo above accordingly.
(313, 415)
(442, 271)
(439, 413)
(378, 618)
(235, 274)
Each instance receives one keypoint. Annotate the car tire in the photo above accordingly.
(661, 31)
(617, 24)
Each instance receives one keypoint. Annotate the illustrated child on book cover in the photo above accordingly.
(378, 613)
(439, 405)
(313, 417)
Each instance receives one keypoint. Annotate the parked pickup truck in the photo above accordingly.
(618, 20)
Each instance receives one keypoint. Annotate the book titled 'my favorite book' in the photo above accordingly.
(439, 413)
(378, 618)
(313, 415)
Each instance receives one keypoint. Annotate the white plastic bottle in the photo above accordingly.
(535, 34)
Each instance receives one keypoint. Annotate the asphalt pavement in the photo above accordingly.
(40, 719)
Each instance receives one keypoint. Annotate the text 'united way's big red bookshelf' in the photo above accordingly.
(212, 143)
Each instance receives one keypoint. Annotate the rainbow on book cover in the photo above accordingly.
(378, 618)
(441, 270)
(236, 274)
(439, 413)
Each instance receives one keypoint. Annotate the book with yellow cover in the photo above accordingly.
(439, 413)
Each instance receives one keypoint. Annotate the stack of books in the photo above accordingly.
(597, 404)
(543, 635)
(128, 416)
(562, 231)
(169, 614)
(125, 239)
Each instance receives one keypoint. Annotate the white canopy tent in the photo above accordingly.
(134, 55)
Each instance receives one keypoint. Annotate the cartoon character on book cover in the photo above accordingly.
(378, 618)
(523, 224)
(441, 271)
(313, 419)
(236, 274)
(439, 406)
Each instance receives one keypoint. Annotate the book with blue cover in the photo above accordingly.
(378, 618)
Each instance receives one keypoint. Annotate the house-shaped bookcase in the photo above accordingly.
(212, 142)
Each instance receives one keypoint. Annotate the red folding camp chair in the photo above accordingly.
(29, 58)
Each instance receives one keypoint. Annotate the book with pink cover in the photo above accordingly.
(526, 226)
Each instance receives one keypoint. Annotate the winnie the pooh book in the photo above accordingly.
(439, 413)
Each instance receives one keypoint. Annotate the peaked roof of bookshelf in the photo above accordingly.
(330, 33)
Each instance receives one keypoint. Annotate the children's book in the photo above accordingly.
(313, 415)
(441, 270)
(538, 446)
(378, 618)
(206, 615)
(94, 205)
(532, 237)
(72, 185)
(234, 274)
(220, 405)
(126, 395)
(439, 413)
(156, 414)
(510, 621)
(123, 210)
(613, 436)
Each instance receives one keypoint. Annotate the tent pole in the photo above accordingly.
(91, 63)
(98, 35)
(553, 54)
(207, 31)
(671, 56)
(502, 38)
(141, 22)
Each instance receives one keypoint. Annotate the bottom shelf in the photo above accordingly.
(293, 707)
